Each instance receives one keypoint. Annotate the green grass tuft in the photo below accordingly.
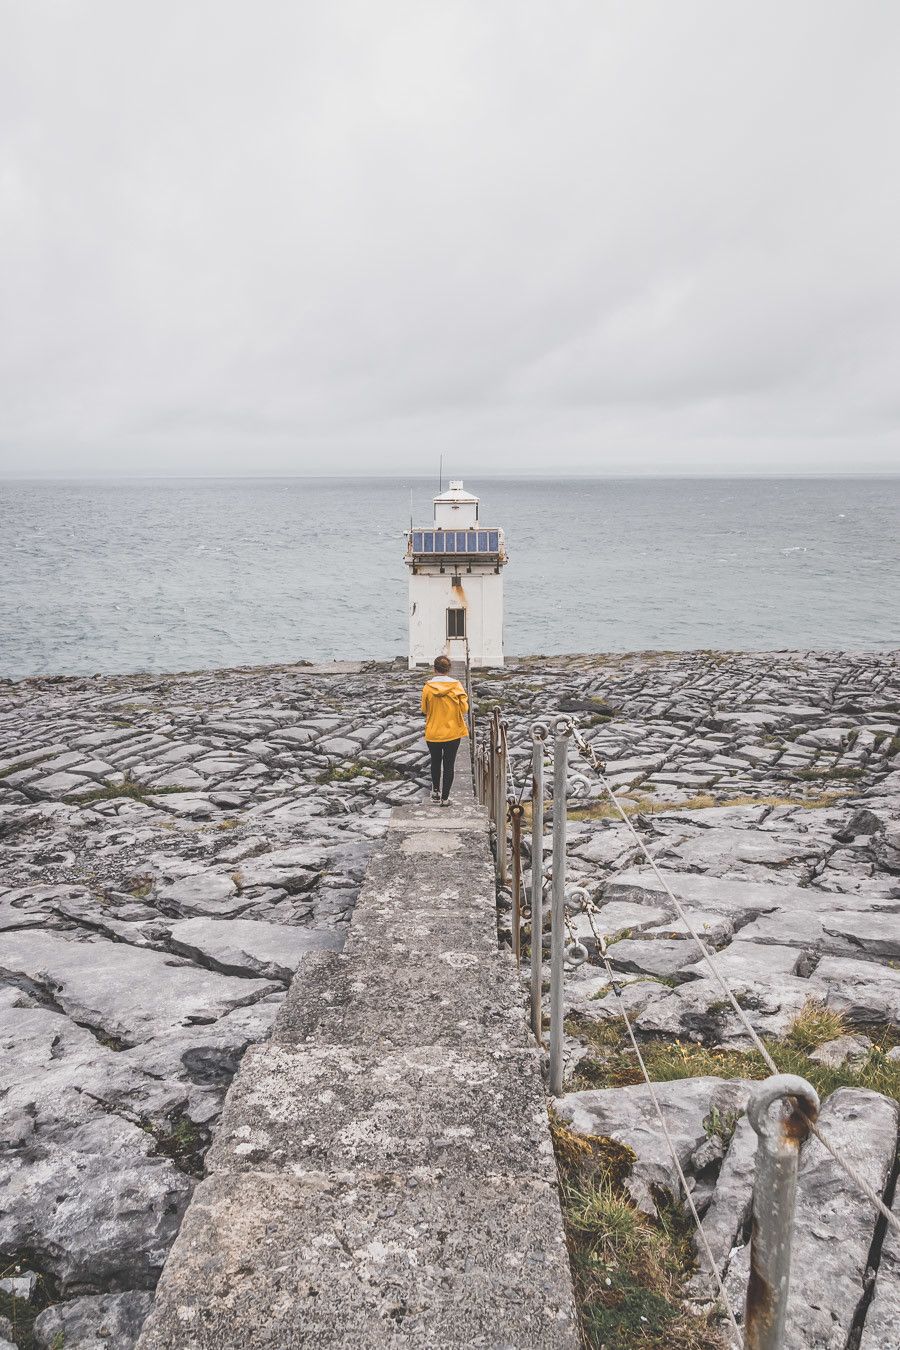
(131, 788)
(813, 1026)
(628, 1270)
(612, 1062)
(359, 768)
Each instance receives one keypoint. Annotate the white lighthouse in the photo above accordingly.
(456, 584)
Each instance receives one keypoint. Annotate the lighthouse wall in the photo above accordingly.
(431, 594)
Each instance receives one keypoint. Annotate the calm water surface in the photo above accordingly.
(177, 574)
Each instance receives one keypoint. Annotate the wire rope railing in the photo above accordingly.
(780, 1132)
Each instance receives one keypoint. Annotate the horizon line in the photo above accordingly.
(398, 476)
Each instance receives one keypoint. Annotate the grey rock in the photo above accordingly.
(619, 918)
(842, 1050)
(127, 993)
(101, 1322)
(208, 892)
(249, 946)
(699, 1010)
(728, 1210)
(881, 1328)
(661, 957)
(627, 1115)
(293, 868)
(22, 1286)
(721, 850)
(709, 1154)
(743, 960)
(94, 1201)
(341, 746)
(886, 848)
(712, 929)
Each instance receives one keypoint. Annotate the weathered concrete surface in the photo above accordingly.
(399, 1192)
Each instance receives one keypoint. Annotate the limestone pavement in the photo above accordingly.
(171, 848)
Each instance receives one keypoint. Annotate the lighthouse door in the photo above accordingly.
(456, 623)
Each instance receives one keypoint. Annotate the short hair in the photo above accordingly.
(442, 664)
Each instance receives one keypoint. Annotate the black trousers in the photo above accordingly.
(443, 758)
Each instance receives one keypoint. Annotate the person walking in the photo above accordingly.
(445, 705)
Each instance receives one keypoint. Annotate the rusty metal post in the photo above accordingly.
(492, 767)
(516, 812)
(781, 1132)
(538, 736)
(558, 904)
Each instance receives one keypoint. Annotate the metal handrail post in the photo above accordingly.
(492, 768)
(516, 812)
(502, 835)
(470, 716)
(781, 1132)
(538, 735)
(558, 906)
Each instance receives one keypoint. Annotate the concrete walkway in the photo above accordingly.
(383, 1173)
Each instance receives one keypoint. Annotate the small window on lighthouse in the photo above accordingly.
(456, 623)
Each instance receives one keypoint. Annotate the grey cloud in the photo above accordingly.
(293, 238)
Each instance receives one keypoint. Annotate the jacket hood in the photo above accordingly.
(444, 686)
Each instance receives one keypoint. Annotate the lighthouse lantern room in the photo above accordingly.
(456, 584)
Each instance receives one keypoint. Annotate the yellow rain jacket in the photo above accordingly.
(444, 704)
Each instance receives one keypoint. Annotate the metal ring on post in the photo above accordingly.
(780, 1135)
(563, 726)
(574, 956)
(774, 1089)
(539, 731)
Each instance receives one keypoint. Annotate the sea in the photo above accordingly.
(128, 575)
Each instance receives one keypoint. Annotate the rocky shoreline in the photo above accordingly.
(172, 846)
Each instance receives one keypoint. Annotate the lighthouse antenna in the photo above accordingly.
(441, 476)
(410, 508)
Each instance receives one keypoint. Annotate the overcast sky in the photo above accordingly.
(335, 237)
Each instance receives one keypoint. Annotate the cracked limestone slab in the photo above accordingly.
(861, 991)
(250, 946)
(738, 899)
(668, 959)
(93, 1201)
(881, 1328)
(129, 993)
(699, 1011)
(728, 1210)
(831, 932)
(742, 960)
